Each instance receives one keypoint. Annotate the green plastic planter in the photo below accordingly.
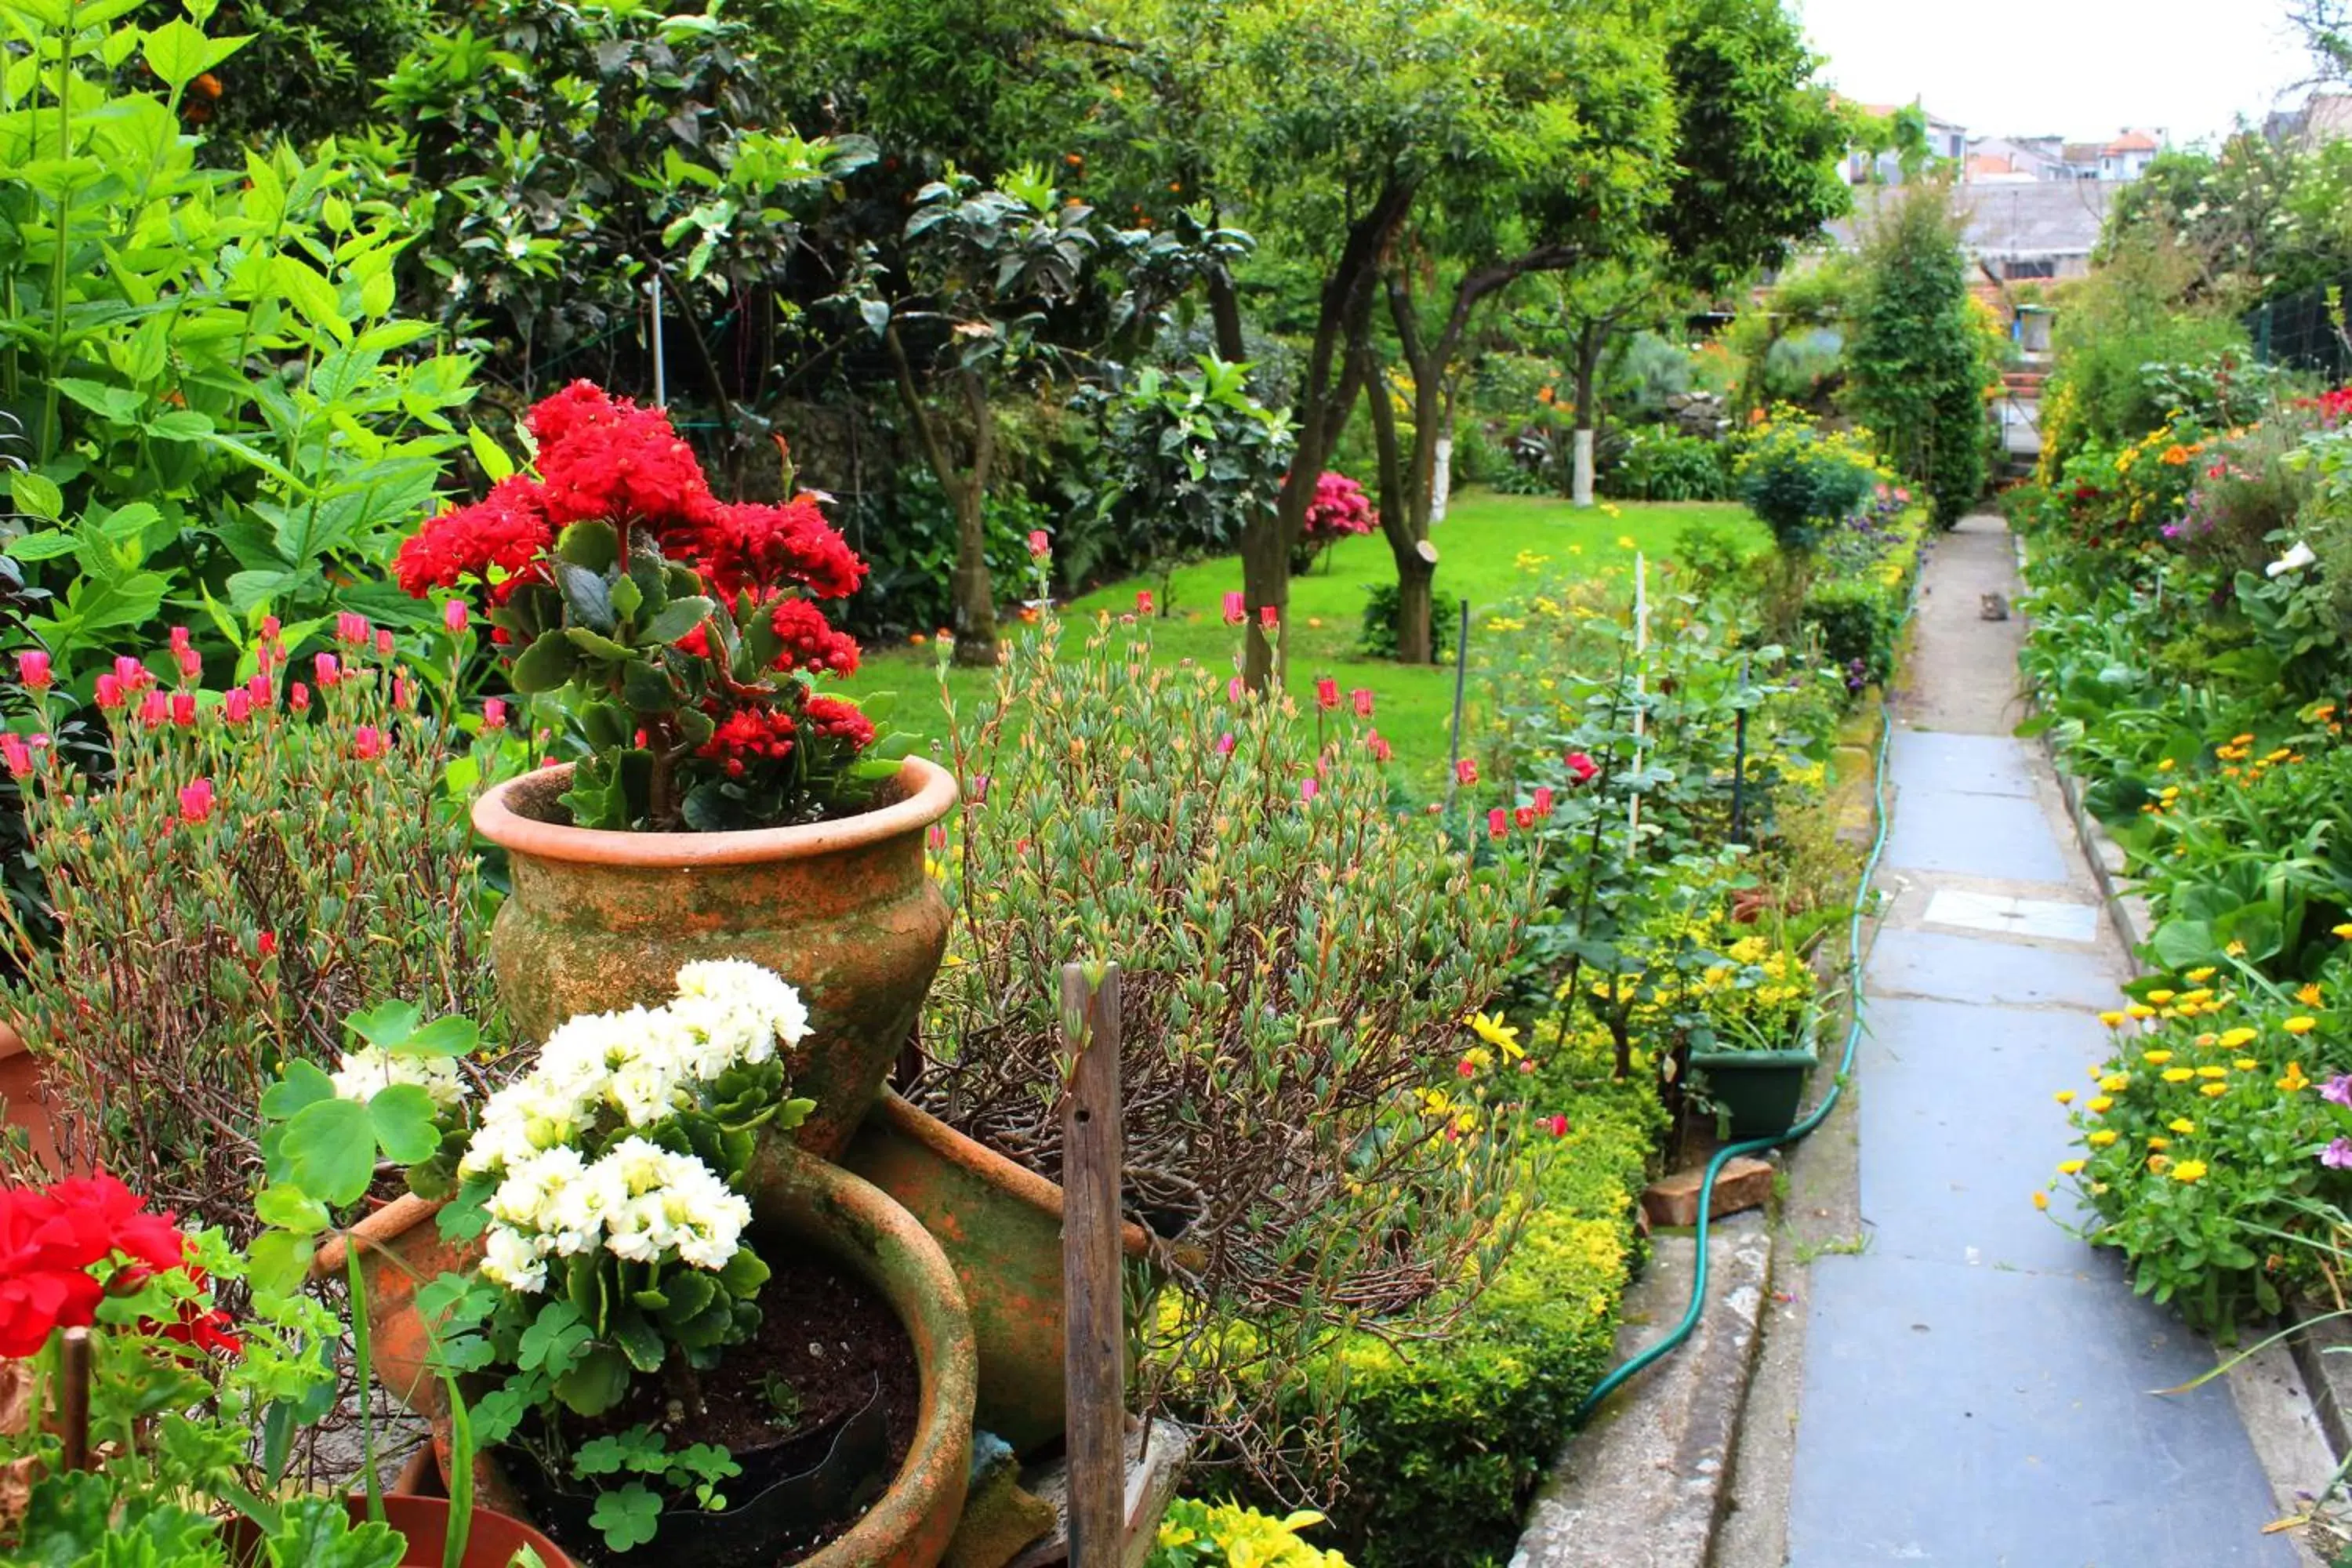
(1761, 1089)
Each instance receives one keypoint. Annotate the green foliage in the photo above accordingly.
(1858, 623)
(1380, 636)
(1801, 480)
(1191, 459)
(146, 288)
(1227, 1535)
(2117, 323)
(91, 1520)
(1922, 354)
(1660, 464)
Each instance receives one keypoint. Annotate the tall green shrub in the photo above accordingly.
(1920, 357)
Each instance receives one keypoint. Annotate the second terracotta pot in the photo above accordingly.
(845, 910)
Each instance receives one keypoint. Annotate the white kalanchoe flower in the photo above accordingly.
(747, 1007)
(513, 1260)
(368, 1071)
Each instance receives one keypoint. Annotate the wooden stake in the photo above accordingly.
(73, 1396)
(1093, 1147)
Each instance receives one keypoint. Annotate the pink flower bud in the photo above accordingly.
(18, 755)
(400, 693)
(350, 628)
(297, 697)
(109, 692)
(1225, 744)
(1308, 789)
(1580, 768)
(1525, 816)
(129, 672)
(154, 710)
(236, 705)
(179, 639)
(1235, 689)
(1558, 1125)
(265, 944)
(384, 645)
(1466, 773)
(976, 791)
(367, 742)
(1237, 609)
(1363, 700)
(1379, 746)
(1326, 693)
(494, 714)
(33, 669)
(1543, 800)
(1040, 544)
(183, 708)
(1143, 601)
(190, 663)
(937, 838)
(1268, 616)
(1467, 1068)
(455, 615)
(197, 800)
(270, 629)
(259, 693)
(1498, 823)
(329, 669)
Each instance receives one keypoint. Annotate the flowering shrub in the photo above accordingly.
(1802, 479)
(1294, 955)
(684, 628)
(1226, 1535)
(1340, 509)
(268, 859)
(604, 1186)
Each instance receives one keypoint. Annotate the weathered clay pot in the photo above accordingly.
(1001, 1226)
(492, 1538)
(31, 1104)
(843, 911)
(805, 1202)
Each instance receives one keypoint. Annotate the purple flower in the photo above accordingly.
(2337, 1156)
(2337, 1089)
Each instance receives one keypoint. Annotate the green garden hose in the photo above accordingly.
(1618, 1378)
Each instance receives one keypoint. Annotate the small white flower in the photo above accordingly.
(2294, 559)
(366, 1072)
(513, 1260)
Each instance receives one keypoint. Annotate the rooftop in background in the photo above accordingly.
(2016, 231)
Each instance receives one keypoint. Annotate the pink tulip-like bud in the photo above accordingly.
(1498, 823)
(236, 705)
(1268, 616)
(129, 672)
(181, 640)
(455, 615)
(1225, 744)
(18, 755)
(1543, 800)
(297, 697)
(183, 708)
(937, 838)
(350, 628)
(1582, 768)
(154, 710)
(384, 645)
(1308, 789)
(1143, 600)
(109, 692)
(1525, 816)
(1040, 544)
(1364, 701)
(494, 714)
(1327, 694)
(1558, 1125)
(1235, 689)
(976, 792)
(329, 669)
(1466, 773)
(400, 693)
(190, 663)
(367, 742)
(270, 629)
(259, 693)
(33, 669)
(1237, 609)
(1379, 746)
(197, 800)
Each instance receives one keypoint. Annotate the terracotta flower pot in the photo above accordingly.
(843, 911)
(1001, 1226)
(31, 1104)
(812, 1204)
(492, 1538)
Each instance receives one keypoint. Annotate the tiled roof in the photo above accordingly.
(2030, 218)
(2132, 142)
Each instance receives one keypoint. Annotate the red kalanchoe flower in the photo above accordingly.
(752, 545)
(630, 465)
(748, 734)
(835, 719)
(502, 534)
(1340, 509)
(581, 403)
(810, 641)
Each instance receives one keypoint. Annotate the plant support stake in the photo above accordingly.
(1461, 673)
(661, 371)
(1093, 1348)
(1641, 709)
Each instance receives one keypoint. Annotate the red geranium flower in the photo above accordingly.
(50, 1238)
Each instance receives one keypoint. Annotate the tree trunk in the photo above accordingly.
(975, 592)
(1588, 340)
(1416, 560)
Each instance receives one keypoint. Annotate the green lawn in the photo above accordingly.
(1487, 548)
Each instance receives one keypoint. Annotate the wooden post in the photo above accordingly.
(1093, 1348)
(73, 1397)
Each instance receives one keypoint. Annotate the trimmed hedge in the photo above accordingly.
(1446, 1441)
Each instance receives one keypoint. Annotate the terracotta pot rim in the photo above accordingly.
(12, 1044)
(396, 1218)
(1017, 1181)
(933, 796)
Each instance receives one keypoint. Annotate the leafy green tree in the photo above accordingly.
(1920, 357)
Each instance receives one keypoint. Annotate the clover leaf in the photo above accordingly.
(626, 1517)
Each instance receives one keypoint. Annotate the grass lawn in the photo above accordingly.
(1488, 545)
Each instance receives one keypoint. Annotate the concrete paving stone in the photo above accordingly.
(2048, 919)
(1943, 967)
(1990, 836)
(1959, 1130)
(1931, 762)
(1981, 1418)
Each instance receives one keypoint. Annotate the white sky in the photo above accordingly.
(2081, 68)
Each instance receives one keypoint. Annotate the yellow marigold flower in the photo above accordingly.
(2065, 1097)
(2236, 950)
(2158, 1162)
(2178, 1075)
(2241, 740)
(2293, 1082)
(2201, 996)
(2155, 1058)
(2209, 1071)
(2116, 1082)
(2140, 1010)
(2160, 997)
(2212, 1091)
(2241, 1035)
(2300, 1025)
(2164, 765)
(2188, 1171)
(2041, 1200)
(1496, 1033)
(2202, 975)
(2182, 1125)
(2116, 1020)
(2310, 995)
(2245, 1064)
(2344, 931)
(2159, 1141)
(2070, 1167)
(2098, 1105)
(2101, 1138)
(2282, 755)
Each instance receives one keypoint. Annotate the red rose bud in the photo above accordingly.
(494, 714)
(1543, 800)
(197, 800)
(1498, 823)
(1236, 610)
(1525, 816)
(33, 669)
(183, 708)
(1466, 773)
(1039, 543)
(455, 615)
(1364, 701)
(1326, 693)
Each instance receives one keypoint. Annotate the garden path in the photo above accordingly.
(1977, 1382)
